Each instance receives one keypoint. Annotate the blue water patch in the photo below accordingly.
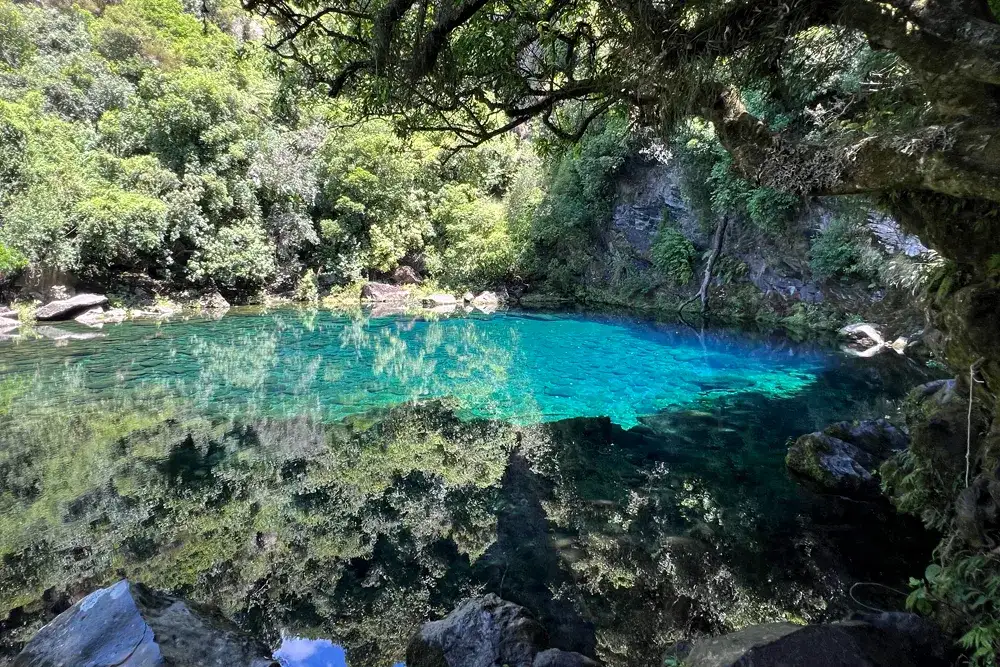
(520, 368)
(300, 652)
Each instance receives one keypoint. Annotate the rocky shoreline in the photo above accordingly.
(129, 624)
(96, 310)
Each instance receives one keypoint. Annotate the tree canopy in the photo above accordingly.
(812, 97)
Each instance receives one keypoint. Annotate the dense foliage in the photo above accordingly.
(143, 139)
(673, 254)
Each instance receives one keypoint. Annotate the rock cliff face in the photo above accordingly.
(777, 265)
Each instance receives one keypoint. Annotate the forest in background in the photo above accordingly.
(159, 140)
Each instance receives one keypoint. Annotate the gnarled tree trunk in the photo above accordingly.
(713, 259)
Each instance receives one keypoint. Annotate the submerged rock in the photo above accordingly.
(868, 640)
(487, 631)
(383, 292)
(65, 309)
(127, 624)
(57, 334)
(440, 300)
(844, 457)
(405, 275)
(387, 309)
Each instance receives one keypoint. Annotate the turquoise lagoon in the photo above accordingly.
(518, 367)
(344, 479)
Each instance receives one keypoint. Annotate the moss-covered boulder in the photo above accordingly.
(938, 417)
(843, 458)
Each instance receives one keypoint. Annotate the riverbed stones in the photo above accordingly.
(487, 631)
(405, 275)
(434, 300)
(65, 309)
(867, 640)
(843, 458)
(128, 624)
(383, 292)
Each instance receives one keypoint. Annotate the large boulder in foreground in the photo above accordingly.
(487, 631)
(844, 457)
(129, 625)
(382, 292)
(868, 640)
(66, 309)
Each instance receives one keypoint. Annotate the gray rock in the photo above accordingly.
(405, 275)
(91, 318)
(446, 309)
(553, 657)
(877, 437)
(468, 297)
(66, 309)
(213, 301)
(440, 300)
(486, 298)
(482, 632)
(9, 313)
(843, 458)
(131, 626)
(382, 292)
(8, 324)
(872, 640)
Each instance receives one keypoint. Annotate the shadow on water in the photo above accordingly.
(288, 474)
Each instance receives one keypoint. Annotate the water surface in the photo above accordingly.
(322, 476)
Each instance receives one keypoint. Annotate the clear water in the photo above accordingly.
(320, 476)
(519, 368)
